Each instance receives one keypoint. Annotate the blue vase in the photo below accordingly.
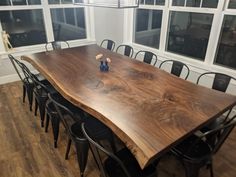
(106, 67)
(101, 66)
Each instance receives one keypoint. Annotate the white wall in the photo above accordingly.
(109, 24)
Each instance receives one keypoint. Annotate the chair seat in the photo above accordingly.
(76, 131)
(129, 161)
(200, 150)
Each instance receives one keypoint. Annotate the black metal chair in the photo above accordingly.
(27, 86)
(148, 57)
(72, 125)
(40, 91)
(220, 82)
(176, 68)
(57, 45)
(108, 44)
(120, 164)
(125, 50)
(196, 152)
(62, 109)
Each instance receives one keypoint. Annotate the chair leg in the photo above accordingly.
(55, 128)
(24, 93)
(191, 170)
(36, 107)
(47, 122)
(30, 96)
(68, 149)
(42, 104)
(211, 169)
(82, 148)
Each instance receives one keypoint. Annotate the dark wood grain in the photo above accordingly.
(149, 109)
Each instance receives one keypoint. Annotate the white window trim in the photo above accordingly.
(89, 22)
(195, 65)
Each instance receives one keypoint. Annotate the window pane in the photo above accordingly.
(149, 2)
(160, 2)
(148, 27)
(54, 1)
(178, 2)
(193, 3)
(189, 33)
(66, 1)
(5, 2)
(226, 53)
(210, 3)
(232, 4)
(142, 2)
(19, 2)
(68, 24)
(141, 19)
(25, 27)
(34, 2)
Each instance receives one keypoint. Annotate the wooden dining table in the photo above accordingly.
(149, 109)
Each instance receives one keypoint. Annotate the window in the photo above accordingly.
(227, 44)
(25, 22)
(153, 2)
(68, 23)
(196, 3)
(25, 27)
(232, 4)
(148, 27)
(189, 33)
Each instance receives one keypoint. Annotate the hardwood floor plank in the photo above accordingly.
(27, 151)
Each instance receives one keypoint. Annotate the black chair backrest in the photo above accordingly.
(220, 82)
(176, 68)
(97, 151)
(127, 50)
(56, 45)
(148, 57)
(15, 62)
(62, 110)
(216, 137)
(110, 45)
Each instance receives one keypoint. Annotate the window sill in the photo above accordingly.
(19, 51)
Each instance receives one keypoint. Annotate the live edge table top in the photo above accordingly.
(149, 109)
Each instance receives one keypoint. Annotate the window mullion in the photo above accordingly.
(164, 29)
(47, 21)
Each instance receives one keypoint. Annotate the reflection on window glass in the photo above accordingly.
(19, 2)
(178, 2)
(34, 2)
(210, 3)
(149, 2)
(25, 27)
(189, 33)
(148, 27)
(142, 19)
(68, 23)
(53, 1)
(193, 3)
(226, 53)
(232, 4)
(66, 1)
(5, 2)
(160, 2)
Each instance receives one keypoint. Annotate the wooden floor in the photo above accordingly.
(26, 150)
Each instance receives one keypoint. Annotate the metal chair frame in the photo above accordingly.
(128, 50)
(220, 82)
(212, 139)
(56, 45)
(110, 44)
(148, 57)
(176, 68)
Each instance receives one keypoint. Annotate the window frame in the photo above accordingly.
(195, 65)
(45, 7)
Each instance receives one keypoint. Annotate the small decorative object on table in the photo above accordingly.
(104, 67)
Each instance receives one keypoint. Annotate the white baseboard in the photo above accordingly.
(9, 78)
